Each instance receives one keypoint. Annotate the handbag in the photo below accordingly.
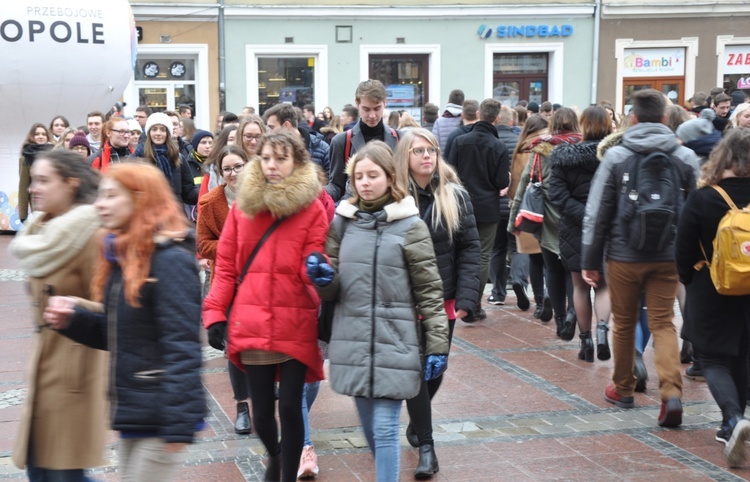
(531, 213)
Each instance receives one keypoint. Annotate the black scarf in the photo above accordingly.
(370, 133)
(31, 151)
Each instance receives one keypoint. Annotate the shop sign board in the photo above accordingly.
(736, 60)
(657, 62)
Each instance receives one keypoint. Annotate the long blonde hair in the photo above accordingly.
(446, 187)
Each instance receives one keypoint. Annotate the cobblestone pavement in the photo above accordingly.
(516, 404)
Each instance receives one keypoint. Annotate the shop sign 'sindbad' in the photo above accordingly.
(513, 31)
(666, 62)
(60, 57)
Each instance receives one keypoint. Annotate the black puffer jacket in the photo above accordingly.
(155, 374)
(573, 166)
(458, 261)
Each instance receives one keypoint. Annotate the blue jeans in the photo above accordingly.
(309, 393)
(379, 418)
(642, 333)
(39, 474)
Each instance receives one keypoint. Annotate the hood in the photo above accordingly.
(288, 197)
(305, 133)
(454, 109)
(326, 129)
(393, 211)
(186, 242)
(612, 140)
(575, 155)
(704, 144)
(648, 137)
(546, 144)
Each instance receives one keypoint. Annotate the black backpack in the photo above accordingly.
(653, 193)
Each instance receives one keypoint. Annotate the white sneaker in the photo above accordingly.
(308, 464)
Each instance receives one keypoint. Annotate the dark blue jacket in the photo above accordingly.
(155, 366)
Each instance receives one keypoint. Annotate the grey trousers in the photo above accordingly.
(487, 234)
(146, 460)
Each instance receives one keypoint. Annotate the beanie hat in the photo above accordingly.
(533, 107)
(133, 125)
(198, 136)
(79, 139)
(697, 128)
(738, 97)
(159, 118)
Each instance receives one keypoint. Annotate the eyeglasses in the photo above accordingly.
(236, 168)
(420, 150)
(79, 148)
(123, 132)
(249, 137)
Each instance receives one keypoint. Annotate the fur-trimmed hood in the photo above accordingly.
(394, 211)
(612, 140)
(544, 145)
(569, 156)
(289, 196)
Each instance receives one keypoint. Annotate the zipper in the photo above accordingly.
(114, 298)
(372, 308)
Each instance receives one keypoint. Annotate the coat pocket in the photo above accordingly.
(75, 368)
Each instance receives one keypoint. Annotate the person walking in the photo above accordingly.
(445, 207)
(269, 317)
(63, 423)
(633, 266)
(375, 352)
(719, 325)
(146, 313)
(573, 166)
(214, 209)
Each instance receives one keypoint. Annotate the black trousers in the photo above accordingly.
(727, 378)
(559, 284)
(291, 382)
(420, 407)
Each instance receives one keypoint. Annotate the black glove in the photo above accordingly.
(217, 335)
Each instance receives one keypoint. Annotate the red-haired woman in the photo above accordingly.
(148, 317)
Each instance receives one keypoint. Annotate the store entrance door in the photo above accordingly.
(672, 87)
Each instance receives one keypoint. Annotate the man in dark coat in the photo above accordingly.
(482, 162)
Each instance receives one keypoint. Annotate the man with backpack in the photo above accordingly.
(633, 208)
(370, 99)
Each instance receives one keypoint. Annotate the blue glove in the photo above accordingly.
(318, 270)
(434, 366)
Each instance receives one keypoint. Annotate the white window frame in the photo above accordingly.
(433, 68)
(721, 43)
(320, 52)
(690, 44)
(202, 106)
(554, 67)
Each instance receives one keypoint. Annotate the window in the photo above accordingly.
(285, 79)
(165, 83)
(519, 76)
(406, 81)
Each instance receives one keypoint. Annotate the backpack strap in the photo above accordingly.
(348, 147)
(394, 133)
(726, 197)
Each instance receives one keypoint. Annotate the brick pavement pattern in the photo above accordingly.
(516, 404)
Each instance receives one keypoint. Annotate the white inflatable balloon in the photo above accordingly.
(67, 57)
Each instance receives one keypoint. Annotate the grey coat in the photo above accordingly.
(386, 278)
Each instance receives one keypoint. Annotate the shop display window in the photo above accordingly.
(285, 79)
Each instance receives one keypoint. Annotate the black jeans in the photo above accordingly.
(420, 407)
(727, 379)
(239, 381)
(536, 275)
(291, 382)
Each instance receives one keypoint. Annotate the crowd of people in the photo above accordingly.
(138, 232)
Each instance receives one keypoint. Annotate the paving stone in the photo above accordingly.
(588, 427)
(461, 427)
(554, 429)
(529, 422)
(518, 431)
(624, 424)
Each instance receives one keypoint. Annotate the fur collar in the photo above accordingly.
(612, 140)
(43, 247)
(288, 197)
(568, 156)
(394, 211)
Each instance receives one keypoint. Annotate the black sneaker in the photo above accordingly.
(494, 300)
(695, 373)
(546, 313)
(538, 311)
(723, 435)
(641, 374)
(478, 315)
(522, 301)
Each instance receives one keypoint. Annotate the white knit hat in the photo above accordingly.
(133, 125)
(159, 118)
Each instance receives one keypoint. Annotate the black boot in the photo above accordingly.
(641, 375)
(273, 468)
(560, 322)
(587, 347)
(546, 313)
(428, 463)
(569, 326)
(411, 436)
(242, 425)
(539, 307)
(602, 344)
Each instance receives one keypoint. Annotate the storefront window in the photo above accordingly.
(165, 83)
(405, 80)
(736, 68)
(519, 77)
(285, 79)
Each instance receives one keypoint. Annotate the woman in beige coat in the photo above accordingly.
(63, 424)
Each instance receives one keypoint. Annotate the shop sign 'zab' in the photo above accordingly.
(60, 57)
